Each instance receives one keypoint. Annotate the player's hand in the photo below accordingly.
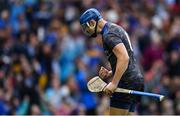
(103, 72)
(110, 89)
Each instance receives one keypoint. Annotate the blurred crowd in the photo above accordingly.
(46, 61)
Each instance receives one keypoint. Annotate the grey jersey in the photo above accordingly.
(112, 35)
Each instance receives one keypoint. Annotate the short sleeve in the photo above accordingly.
(112, 40)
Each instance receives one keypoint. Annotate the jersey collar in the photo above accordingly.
(104, 29)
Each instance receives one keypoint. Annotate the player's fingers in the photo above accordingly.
(104, 70)
(102, 74)
(108, 92)
(101, 68)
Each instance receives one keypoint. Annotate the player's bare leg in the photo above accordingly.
(131, 113)
(117, 111)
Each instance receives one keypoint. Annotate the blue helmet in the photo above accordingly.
(90, 14)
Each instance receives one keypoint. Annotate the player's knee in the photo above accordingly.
(131, 113)
(117, 111)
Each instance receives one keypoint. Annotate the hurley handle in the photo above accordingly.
(159, 97)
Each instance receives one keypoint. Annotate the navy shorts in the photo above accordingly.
(126, 101)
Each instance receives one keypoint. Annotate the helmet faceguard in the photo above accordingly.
(86, 25)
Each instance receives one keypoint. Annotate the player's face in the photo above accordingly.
(89, 28)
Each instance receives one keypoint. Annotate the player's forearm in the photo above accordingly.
(121, 66)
